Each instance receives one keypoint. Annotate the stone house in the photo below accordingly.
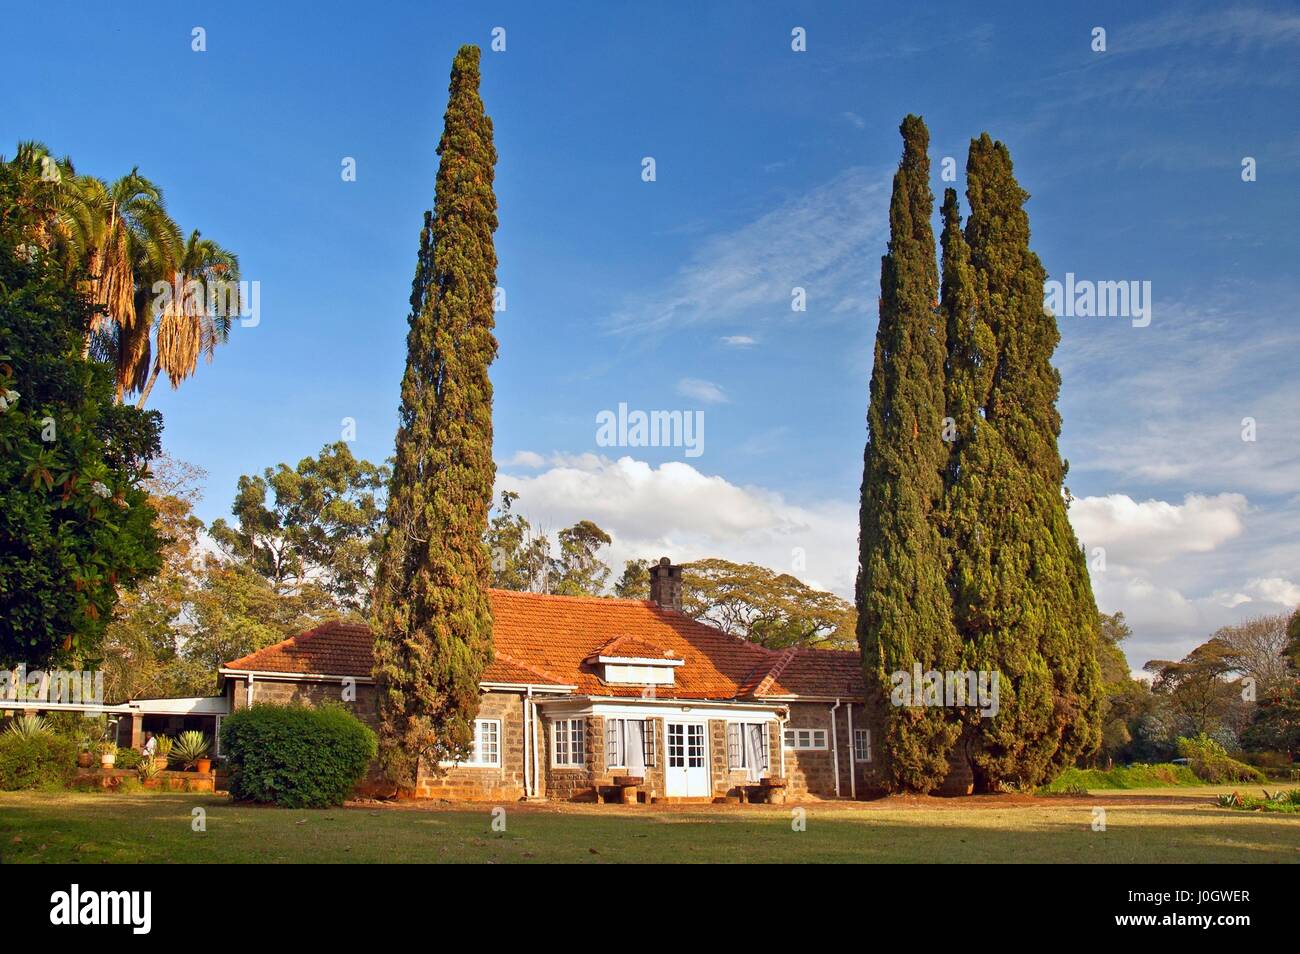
(586, 689)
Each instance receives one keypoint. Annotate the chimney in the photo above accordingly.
(666, 585)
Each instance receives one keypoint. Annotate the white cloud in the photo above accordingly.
(1154, 531)
(1274, 589)
(677, 511)
(817, 241)
(526, 458)
(853, 119)
(705, 391)
(739, 341)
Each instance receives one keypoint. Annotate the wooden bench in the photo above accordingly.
(621, 789)
(764, 791)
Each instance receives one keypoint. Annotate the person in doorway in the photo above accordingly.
(150, 745)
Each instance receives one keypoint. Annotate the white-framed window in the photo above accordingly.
(862, 745)
(745, 738)
(567, 737)
(487, 743)
(616, 736)
(805, 738)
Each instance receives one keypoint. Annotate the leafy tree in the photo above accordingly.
(431, 616)
(1199, 692)
(775, 610)
(75, 525)
(634, 583)
(904, 610)
(322, 525)
(1292, 649)
(1023, 602)
(520, 556)
(1256, 647)
(578, 571)
(1275, 726)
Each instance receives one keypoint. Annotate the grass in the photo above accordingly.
(1156, 826)
(1121, 777)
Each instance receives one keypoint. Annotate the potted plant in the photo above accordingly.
(162, 751)
(84, 757)
(148, 771)
(107, 754)
(191, 750)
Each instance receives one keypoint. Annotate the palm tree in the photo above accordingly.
(197, 311)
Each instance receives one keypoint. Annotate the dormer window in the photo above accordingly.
(632, 662)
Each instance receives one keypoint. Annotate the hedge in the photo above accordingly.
(41, 761)
(295, 757)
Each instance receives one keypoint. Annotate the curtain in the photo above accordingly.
(756, 761)
(634, 746)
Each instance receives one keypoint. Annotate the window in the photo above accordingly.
(744, 738)
(616, 736)
(487, 743)
(568, 737)
(805, 738)
(862, 745)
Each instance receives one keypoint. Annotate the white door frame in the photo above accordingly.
(686, 769)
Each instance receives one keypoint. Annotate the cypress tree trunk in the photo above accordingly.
(904, 609)
(1023, 603)
(432, 618)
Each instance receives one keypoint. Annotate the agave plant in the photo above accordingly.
(148, 770)
(28, 726)
(162, 747)
(190, 747)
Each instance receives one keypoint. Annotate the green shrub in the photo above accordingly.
(295, 757)
(1285, 802)
(43, 760)
(1074, 780)
(128, 759)
(1211, 763)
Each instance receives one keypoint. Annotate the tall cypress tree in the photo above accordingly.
(1023, 603)
(904, 610)
(432, 619)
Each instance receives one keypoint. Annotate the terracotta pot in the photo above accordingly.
(84, 759)
(160, 762)
(107, 761)
(203, 765)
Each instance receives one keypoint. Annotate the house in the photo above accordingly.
(583, 689)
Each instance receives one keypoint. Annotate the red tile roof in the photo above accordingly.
(550, 640)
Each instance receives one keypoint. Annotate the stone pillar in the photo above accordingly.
(137, 730)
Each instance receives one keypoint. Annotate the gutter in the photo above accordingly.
(853, 758)
(835, 748)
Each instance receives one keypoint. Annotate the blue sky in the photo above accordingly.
(772, 171)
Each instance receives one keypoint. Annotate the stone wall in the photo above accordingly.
(811, 773)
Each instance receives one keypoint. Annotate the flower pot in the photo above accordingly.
(107, 761)
(203, 765)
(84, 759)
(160, 763)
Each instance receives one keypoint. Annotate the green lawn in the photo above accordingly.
(1164, 825)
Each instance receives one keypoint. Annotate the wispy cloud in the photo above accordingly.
(705, 391)
(818, 241)
(739, 341)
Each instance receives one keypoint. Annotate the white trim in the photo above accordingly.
(524, 687)
(867, 733)
(805, 748)
(679, 709)
(474, 761)
(581, 755)
(641, 660)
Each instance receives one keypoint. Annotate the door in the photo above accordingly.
(687, 772)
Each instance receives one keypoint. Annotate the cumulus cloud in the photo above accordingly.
(526, 458)
(1153, 531)
(677, 511)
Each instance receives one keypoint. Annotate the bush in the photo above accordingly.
(295, 757)
(1073, 780)
(128, 759)
(1211, 762)
(44, 760)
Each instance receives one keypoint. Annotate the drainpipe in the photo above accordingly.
(249, 690)
(537, 779)
(835, 748)
(780, 726)
(527, 777)
(853, 758)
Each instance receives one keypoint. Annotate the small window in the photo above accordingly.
(487, 743)
(805, 738)
(616, 742)
(744, 738)
(862, 745)
(568, 737)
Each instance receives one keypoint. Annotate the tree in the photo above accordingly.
(75, 524)
(431, 616)
(1023, 602)
(578, 571)
(520, 556)
(322, 525)
(904, 610)
(1125, 700)
(1256, 647)
(1200, 695)
(775, 610)
(634, 584)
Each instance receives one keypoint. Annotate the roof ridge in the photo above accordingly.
(535, 670)
(314, 631)
(586, 598)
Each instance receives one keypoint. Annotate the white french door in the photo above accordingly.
(687, 771)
